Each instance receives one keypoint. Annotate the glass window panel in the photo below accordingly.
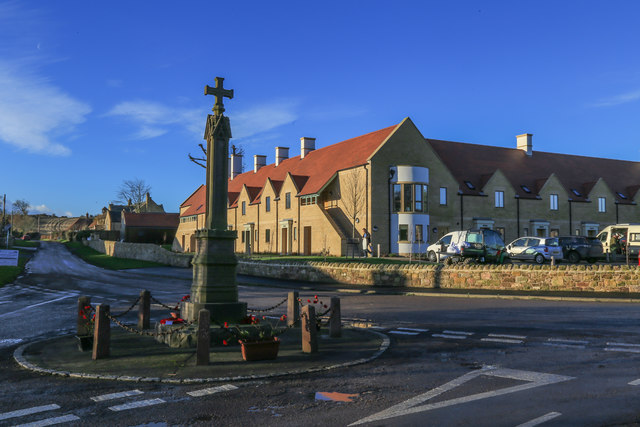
(407, 190)
(397, 197)
(403, 232)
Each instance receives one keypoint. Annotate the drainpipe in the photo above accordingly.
(461, 210)
(518, 215)
(570, 224)
(366, 197)
(390, 204)
(617, 222)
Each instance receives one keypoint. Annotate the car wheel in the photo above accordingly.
(432, 256)
(539, 259)
(573, 257)
(591, 260)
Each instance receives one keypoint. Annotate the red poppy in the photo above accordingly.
(224, 342)
(226, 325)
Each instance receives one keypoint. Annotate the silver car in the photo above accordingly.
(538, 249)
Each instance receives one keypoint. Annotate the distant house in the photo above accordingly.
(113, 214)
(148, 227)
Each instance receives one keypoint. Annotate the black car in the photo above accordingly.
(577, 248)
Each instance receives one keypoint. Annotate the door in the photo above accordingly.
(307, 240)
(284, 241)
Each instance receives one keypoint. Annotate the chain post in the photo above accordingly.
(203, 338)
(335, 321)
(309, 330)
(102, 333)
(293, 309)
(82, 324)
(144, 310)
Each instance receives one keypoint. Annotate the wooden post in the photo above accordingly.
(309, 330)
(144, 310)
(82, 324)
(293, 309)
(335, 320)
(204, 338)
(102, 333)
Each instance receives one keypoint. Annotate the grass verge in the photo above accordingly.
(105, 261)
(9, 273)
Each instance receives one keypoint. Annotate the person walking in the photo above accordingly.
(366, 242)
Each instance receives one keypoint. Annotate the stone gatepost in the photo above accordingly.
(102, 334)
(309, 330)
(144, 310)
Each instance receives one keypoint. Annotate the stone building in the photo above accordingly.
(408, 191)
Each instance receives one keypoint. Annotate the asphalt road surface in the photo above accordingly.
(452, 361)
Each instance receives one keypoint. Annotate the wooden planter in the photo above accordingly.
(85, 342)
(260, 350)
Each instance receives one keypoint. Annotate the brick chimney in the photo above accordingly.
(236, 165)
(258, 162)
(282, 153)
(524, 143)
(307, 145)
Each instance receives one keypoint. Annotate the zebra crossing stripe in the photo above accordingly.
(28, 411)
(625, 349)
(403, 333)
(413, 329)
(455, 337)
(504, 340)
(515, 337)
(635, 382)
(111, 396)
(457, 333)
(212, 390)
(134, 405)
(51, 421)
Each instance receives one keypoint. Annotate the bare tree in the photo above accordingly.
(202, 161)
(135, 190)
(352, 193)
(21, 207)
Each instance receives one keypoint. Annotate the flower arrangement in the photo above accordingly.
(259, 332)
(88, 319)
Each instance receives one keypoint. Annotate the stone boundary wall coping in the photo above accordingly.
(140, 251)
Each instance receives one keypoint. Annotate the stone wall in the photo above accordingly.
(140, 251)
(513, 277)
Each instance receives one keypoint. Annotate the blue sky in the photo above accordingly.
(92, 94)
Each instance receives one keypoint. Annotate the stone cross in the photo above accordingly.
(219, 92)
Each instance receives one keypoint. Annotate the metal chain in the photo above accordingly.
(257, 310)
(146, 333)
(127, 310)
(162, 304)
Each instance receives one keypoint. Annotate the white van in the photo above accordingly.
(483, 245)
(617, 239)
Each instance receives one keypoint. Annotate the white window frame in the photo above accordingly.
(499, 199)
(602, 204)
(553, 202)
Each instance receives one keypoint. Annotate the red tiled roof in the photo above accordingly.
(151, 219)
(471, 162)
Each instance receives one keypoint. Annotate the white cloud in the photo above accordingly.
(618, 99)
(40, 209)
(263, 118)
(153, 119)
(33, 111)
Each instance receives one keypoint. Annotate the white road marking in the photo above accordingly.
(457, 332)
(504, 340)
(625, 349)
(416, 404)
(455, 337)
(9, 341)
(28, 411)
(540, 420)
(212, 390)
(635, 382)
(134, 405)
(550, 344)
(119, 395)
(515, 337)
(413, 330)
(563, 341)
(622, 344)
(51, 421)
(41, 303)
(403, 333)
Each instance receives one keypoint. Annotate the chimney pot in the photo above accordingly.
(236, 165)
(525, 143)
(307, 145)
(258, 162)
(282, 153)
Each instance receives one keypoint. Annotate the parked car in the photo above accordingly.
(483, 245)
(576, 248)
(619, 239)
(538, 249)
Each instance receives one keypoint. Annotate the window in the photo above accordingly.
(295, 233)
(287, 201)
(397, 197)
(500, 231)
(267, 235)
(553, 202)
(242, 236)
(403, 232)
(407, 194)
(255, 235)
(554, 232)
(525, 189)
(244, 208)
(418, 233)
(602, 204)
(443, 196)
(622, 196)
(421, 198)
(499, 199)
(576, 192)
(267, 204)
(309, 200)
(470, 185)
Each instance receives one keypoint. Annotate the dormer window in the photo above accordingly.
(622, 196)
(525, 188)
(576, 192)
(470, 185)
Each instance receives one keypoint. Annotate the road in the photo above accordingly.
(452, 361)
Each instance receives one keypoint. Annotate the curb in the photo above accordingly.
(18, 356)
